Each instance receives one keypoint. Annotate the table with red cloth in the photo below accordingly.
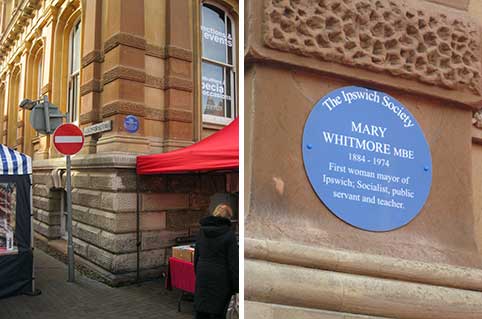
(180, 275)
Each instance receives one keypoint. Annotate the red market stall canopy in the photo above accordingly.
(220, 151)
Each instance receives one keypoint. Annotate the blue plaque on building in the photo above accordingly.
(367, 158)
(131, 123)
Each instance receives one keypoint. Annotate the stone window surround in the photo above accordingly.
(212, 122)
(74, 75)
(13, 96)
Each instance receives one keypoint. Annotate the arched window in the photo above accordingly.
(74, 72)
(34, 90)
(13, 108)
(39, 65)
(218, 65)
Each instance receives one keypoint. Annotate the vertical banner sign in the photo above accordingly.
(367, 158)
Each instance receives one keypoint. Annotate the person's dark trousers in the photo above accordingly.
(206, 315)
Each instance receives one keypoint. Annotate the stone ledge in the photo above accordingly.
(333, 291)
(440, 58)
(91, 57)
(259, 310)
(457, 4)
(169, 51)
(101, 161)
(110, 180)
(93, 85)
(123, 73)
(364, 264)
(126, 39)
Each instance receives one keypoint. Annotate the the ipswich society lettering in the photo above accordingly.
(367, 158)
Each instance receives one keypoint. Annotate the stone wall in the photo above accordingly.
(104, 212)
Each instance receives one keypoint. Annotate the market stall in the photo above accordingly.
(16, 239)
(220, 151)
(216, 154)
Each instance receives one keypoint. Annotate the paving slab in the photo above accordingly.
(87, 298)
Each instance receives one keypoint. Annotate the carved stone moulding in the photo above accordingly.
(398, 42)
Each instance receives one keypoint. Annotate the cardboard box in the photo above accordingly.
(185, 253)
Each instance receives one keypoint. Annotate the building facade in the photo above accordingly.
(301, 260)
(168, 65)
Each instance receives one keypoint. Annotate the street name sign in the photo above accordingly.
(68, 139)
(98, 128)
(367, 158)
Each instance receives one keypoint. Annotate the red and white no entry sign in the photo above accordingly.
(68, 139)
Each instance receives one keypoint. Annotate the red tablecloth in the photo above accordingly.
(181, 275)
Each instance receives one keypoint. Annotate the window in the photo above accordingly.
(39, 76)
(37, 83)
(218, 66)
(13, 109)
(74, 71)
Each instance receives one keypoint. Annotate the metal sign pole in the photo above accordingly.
(70, 243)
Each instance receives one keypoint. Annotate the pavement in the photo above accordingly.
(87, 298)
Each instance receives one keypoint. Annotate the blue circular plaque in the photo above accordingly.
(131, 123)
(367, 158)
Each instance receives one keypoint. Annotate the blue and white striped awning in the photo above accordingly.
(14, 163)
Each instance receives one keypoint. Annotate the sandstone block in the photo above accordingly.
(153, 221)
(119, 202)
(167, 237)
(213, 184)
(49, 218)
(112, 222)
(113, 243)
(86, 197)
(43, 191)
(152, 183)
(81, 180)
(183, 183)
(42, 178)
(150, 240)
(179, 67)
(80, 247)
(164, 201)
(149, 259)
(86, 233)
(100, 257)
(199, 201)
(50, 232)
(115, 181)
(117, 243)
(47, 204)
(183, 219)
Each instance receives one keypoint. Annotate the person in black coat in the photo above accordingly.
(215, 264)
